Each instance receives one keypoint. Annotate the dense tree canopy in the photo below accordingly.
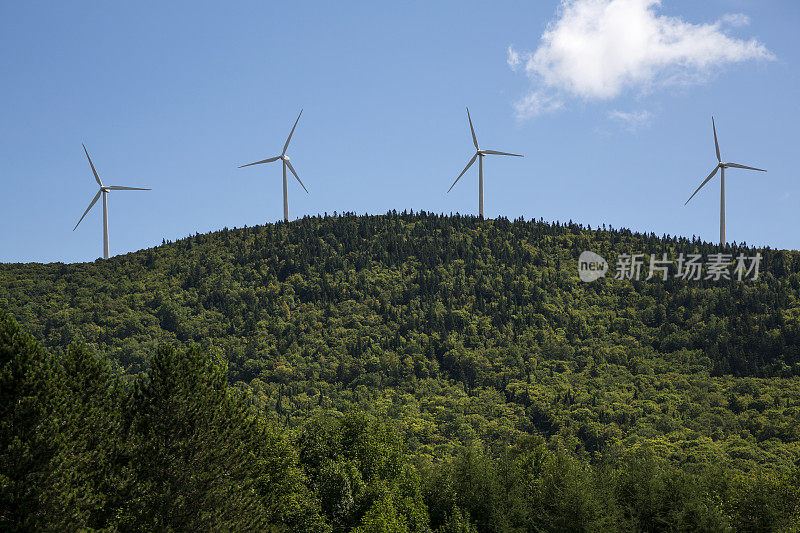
(405, 372)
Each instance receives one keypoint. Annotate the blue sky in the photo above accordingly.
(615, 125)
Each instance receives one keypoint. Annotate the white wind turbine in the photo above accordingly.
(720, 167)
(104, 190)
(479, 156)
(285, 159)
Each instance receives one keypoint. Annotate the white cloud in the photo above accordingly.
(737, 20)
(633, 120)
(513, 59)
(598, 49)
(537, 103)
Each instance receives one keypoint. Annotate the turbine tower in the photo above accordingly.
(721, 168)
(286, 163)
(479, 154)
(104, 190)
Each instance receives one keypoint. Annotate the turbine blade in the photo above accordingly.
(285, 146)
(474, 157)
(474, 139)
(701, 185)
(270, 160)
(288, 164)
(96, 177)
(736, 165)
(94, 201)
(716, 144)
(121, 188)
(495, 152)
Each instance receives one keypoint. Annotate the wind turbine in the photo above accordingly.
(286, 163)
(720, 167)
(479, 154)
(104, 190)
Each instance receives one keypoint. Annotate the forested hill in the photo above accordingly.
(509, 393)
(346, 309)
(354, 299)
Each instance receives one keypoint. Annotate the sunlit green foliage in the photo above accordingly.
(406, 372)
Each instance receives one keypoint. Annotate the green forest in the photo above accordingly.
(407, 372)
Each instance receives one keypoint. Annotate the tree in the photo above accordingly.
(199, 460)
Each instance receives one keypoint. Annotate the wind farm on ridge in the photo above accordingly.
(478, 155)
